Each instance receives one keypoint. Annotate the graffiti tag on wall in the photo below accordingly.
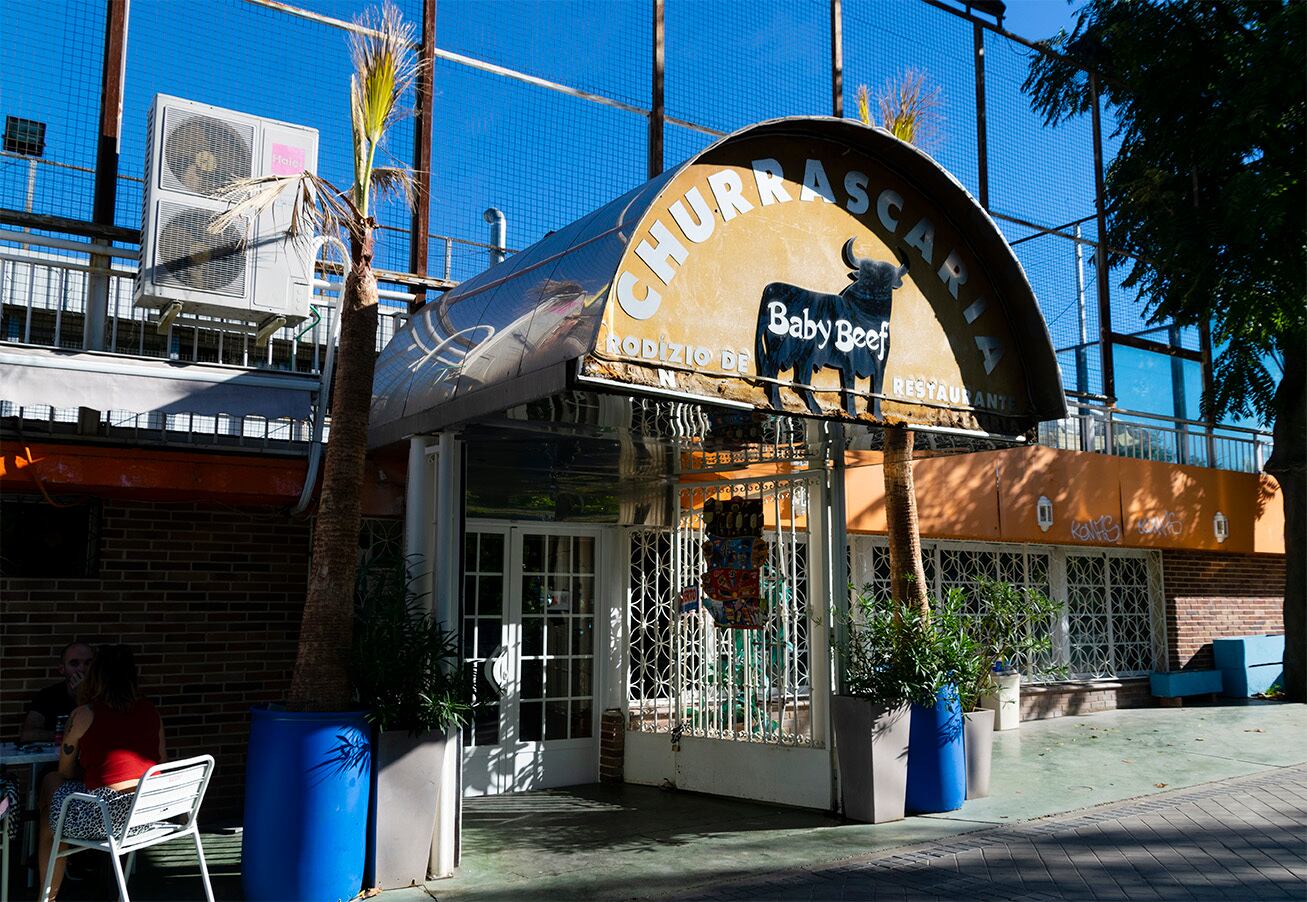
(1163, 524)
(1100, 529)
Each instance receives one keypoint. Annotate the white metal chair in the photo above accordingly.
(6, 812)
(167, 791)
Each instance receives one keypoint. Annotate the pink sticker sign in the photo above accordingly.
(287, 160)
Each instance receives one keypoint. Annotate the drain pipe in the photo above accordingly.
(498, 234)
(324, 389)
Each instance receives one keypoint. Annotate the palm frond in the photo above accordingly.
(909, 109)
(317, 207)
(394, 181)
(385, 68)
(864, 105)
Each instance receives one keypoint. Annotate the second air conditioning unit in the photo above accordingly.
(250, 271)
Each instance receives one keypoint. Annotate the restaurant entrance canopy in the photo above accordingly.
(809, 266)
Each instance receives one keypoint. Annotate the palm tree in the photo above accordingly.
(909, 111)
(381, 49)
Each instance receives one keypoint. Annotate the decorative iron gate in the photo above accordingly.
(715, 695)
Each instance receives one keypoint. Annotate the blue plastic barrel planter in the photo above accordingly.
(937, 764)
(307, 785)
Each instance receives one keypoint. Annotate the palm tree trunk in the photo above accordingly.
(907, 576)
(1288, 464)
(321, 679)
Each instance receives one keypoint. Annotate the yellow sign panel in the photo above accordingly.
(802, 275)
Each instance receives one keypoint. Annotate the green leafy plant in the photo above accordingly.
(1011, 625)
(893, 652)
(404, 666)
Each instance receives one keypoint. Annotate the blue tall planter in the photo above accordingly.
(937, 762)
(307, 786)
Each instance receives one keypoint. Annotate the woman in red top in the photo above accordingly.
(109, 744)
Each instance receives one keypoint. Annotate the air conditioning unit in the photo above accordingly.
(251, 271)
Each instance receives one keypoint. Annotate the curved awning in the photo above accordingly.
(805, 265)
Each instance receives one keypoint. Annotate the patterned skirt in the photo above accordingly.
(84, 820)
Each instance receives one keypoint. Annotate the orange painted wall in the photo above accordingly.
(163, 475)
(1097, 500)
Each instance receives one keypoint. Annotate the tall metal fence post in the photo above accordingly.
(420, 232)
(982, 136)
(1100, 250)
(837, 59)
(106, 167)
(657, 112)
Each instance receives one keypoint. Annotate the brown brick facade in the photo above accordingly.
(1213, 595)
(210, 598)
(1062, 699)
(612, 746)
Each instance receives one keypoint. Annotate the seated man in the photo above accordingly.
(59, 699)
(52, 703)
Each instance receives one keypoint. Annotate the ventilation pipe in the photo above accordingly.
(498, 234)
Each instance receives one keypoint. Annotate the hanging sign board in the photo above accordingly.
(806, 274)
(810, 266)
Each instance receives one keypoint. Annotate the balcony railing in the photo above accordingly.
(43, 298)
(1147, 436)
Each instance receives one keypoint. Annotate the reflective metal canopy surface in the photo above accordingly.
(582, 305)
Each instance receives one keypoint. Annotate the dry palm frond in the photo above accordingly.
(384, 71)
(318, 207)
(864, 105)
(394, 181)
(909, 110)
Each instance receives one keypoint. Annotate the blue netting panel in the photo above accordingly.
(595, 46)
(732, 64)
(680, 143)
(1050, 264)
(57, 83)
(1040, 174)
(883, 41)
(542, 157)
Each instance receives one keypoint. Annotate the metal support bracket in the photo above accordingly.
(166, 316)
(266, 328)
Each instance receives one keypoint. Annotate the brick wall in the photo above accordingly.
(210, 598)
(612, 746)
(1041, 702)
(1213, 595)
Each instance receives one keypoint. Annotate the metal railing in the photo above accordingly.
(1148, 436)
(43, 286)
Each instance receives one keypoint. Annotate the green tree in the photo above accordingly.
(1205, 204)
(384, 70)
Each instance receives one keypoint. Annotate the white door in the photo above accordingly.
(529, 639)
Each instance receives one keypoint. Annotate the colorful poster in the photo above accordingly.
(743, 553)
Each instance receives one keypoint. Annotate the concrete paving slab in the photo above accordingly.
(639, 842)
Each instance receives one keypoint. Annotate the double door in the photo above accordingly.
(530, 595)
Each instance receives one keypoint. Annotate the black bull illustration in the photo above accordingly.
(848, 332)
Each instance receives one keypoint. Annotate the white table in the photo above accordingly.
(29, 755)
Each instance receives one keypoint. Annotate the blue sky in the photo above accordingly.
(546, 158)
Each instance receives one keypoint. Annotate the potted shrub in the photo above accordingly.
(1011, 626)
(942, 657)
(871, 714)
(405, 669)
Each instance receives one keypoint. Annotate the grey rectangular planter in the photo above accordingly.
(407, 772)
(871, 743)
(978, 743)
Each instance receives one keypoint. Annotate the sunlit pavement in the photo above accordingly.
(641, 842)
(1202, 802)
